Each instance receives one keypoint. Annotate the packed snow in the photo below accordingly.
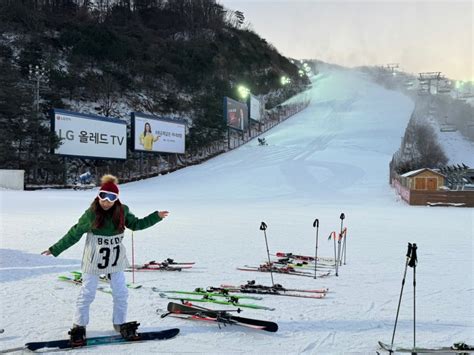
(330, 158)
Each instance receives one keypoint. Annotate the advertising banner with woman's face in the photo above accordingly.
(159, 135)
(236, 114)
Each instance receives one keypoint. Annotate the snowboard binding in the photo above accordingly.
(129, 330)
(77, 336)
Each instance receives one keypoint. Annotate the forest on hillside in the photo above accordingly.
(166, 58)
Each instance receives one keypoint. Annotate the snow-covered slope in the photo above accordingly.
(331, 158)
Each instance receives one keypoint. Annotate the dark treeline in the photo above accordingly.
(108, 57)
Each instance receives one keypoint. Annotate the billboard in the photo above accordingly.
(256, 108)
(89, 136)
(236, 114)
(158, 135)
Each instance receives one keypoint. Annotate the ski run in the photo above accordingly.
(331, 158)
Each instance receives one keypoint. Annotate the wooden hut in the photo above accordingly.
(424, 180)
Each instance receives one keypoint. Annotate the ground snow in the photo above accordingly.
(333, 157)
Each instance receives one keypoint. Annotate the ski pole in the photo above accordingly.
(333, 235)
(412, 263)
(133, 261)
(344, 232)
(316, 224)
(408, 256)
(342, 216)
(263, 227)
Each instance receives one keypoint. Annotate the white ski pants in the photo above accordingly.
(87, 295)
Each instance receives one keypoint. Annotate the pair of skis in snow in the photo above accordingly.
(222, 318)
(233, 294)
(76, 279)
(304, 264)
(456, 348)
(285, 269)
(276, 290)
(211, 297)
(253, 285)
(166, 265)
(281, 254)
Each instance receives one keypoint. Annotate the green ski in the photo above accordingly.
(78, 282)
(103, 278)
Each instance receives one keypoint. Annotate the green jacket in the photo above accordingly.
(84, 225)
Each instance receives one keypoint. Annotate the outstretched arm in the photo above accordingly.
(72, 236)
(135, 223)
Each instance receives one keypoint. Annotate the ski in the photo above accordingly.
(280, 270)
(455, 348)
(166, 265)
(170, 261)
(303, 257)
(251, 285)
(301, 264)
(231, 301)
(270, 291)
(104, 278)
(156, 267)
(202, 292)
(78, 282)
(64, 344)
(217, 320)
(189, 311)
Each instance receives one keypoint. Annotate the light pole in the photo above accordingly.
(38, 75)
(244, 93)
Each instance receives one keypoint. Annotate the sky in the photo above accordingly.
(421, 36)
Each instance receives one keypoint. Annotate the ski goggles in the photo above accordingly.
(110, 196)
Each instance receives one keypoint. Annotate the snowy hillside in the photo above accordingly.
(332, 157)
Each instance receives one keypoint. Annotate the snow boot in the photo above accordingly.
(77, 336)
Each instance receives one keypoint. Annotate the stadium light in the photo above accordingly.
(285, 80)
(243, 91)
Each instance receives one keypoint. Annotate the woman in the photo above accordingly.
(147, 138)
(104, 222)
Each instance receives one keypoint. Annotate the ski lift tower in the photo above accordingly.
(445, 87)
(391, 68)
(426, 80)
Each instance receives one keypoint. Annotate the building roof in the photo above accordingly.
(416, 172)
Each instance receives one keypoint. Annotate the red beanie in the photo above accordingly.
(109, 184)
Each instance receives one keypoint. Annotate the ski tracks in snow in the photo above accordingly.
(317, 345)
